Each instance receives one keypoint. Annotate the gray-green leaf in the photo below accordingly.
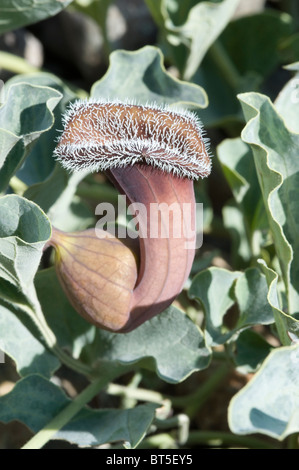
(275, 150)
(141, 76)
(19, 13)
(169, 343)
(26, 113)
(204, 23)
(218, 290)
(40, 161)
(288, 98)
(24, 230)
(35, 401)
(246, 217)
(269, 403)
(29, 354)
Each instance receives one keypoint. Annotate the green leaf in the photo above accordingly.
(26, 113)
(246, 218)
(26, 403)
(269, 403)
(269, 28)
(287, 100)
(233, 220)
(23, 347)
(24, 230)
(275, 150)
(251, 294)
(22, 112)
(97, 10)
(24, 12)
(70, 329)
(285, 323)
(56, 196)
(39, 164)
(141, 76)
(213, 288)
(239, 170)
(177, 10)
(54, 188)
(236, 63)
(23, 233)
(97, 427)
(169, 343)
(214, 76)
(205, 22)
(202, 197)
(251, 350)
(218, 289)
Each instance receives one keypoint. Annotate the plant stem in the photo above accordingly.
(131, 395)
(16, 64)
(98, 12)
(72, 363)
(226, 66)
(218, 438)
(196, 400)
(62, 418)
(281, 328)
(39, 320)
(18, 186)
(139, 394)
(98, 192)
(181, 421)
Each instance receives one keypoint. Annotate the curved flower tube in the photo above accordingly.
(152, 155)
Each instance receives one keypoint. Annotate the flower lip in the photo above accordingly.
(100, 135)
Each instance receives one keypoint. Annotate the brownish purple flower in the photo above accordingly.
(152, 155)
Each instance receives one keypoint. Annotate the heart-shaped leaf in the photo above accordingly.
(151, 84)
(26, 113)
(26, 403)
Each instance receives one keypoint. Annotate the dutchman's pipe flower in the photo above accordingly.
(152, 154)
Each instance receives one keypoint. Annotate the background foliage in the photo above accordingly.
(220, 364)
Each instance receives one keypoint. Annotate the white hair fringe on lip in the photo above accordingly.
(171, 153)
